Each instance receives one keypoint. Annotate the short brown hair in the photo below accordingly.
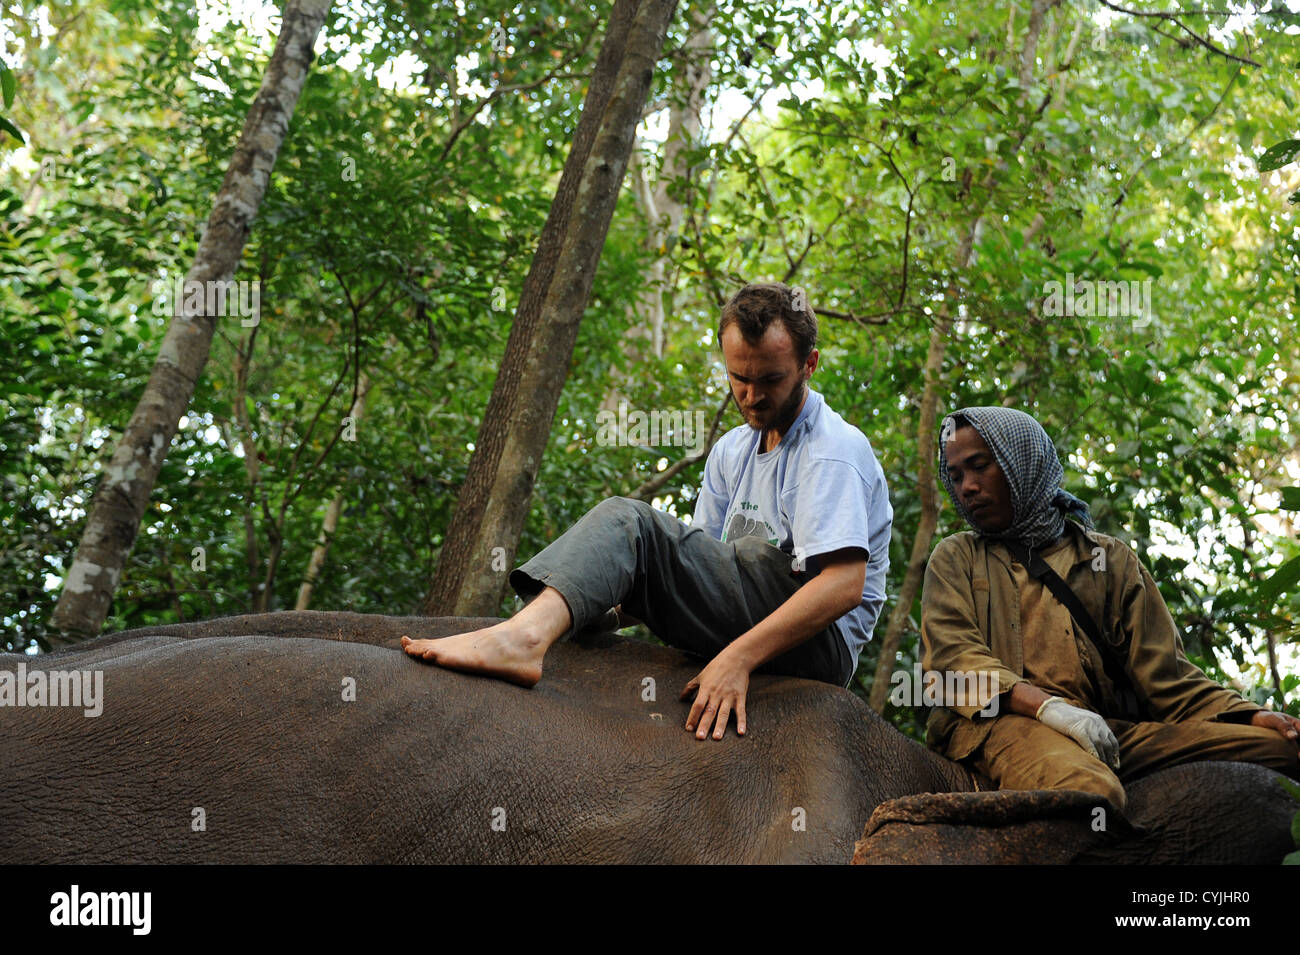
(759, 304)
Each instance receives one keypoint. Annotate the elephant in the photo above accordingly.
(309, 737)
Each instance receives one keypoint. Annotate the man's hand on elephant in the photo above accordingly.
(719, 689)
(1284, 723)
(1085, 727)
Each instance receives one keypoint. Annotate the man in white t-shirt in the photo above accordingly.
(782, 569)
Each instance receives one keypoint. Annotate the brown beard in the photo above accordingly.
(789, 411)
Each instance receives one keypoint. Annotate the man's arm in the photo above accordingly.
(722, 684)
(1174, 688)
(1025, 699)
(952, 640)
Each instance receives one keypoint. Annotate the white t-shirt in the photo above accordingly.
(817, 491)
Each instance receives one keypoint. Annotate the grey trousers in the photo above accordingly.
(693, 591)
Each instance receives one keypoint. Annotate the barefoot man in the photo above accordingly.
(782, 570)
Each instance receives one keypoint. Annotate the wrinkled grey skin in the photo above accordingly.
(1202, 813)
(244, 717)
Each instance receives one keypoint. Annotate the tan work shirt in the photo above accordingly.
(1060, 657)
(981, 612)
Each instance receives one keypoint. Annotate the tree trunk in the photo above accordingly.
(123, 494)
(928, 492)
(927, 488)
(661, 210)
(252, 463)
(332, 512)
(493, 503)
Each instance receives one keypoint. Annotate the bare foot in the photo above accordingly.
(504, 651)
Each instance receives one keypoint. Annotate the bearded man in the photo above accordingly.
(782, 569)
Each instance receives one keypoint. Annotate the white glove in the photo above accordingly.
(1085, 727)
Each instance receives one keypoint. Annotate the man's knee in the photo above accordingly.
(1081, 771)
(753, 549)
(1097, 779)
(619, 505)
(1266, 747)
(1024, 754)
(623, 510)
(751, 545)
(1146, 747)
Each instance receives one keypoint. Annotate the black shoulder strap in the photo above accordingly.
(1112, 657)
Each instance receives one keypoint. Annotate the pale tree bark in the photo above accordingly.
(123, 493)
(927, 487)
(493, 503)
(661, 210)
(330, 525)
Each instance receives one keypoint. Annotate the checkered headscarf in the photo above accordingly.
(1029, 461)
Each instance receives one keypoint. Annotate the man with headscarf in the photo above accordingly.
(1060, 709)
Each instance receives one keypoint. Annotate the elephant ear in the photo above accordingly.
(1014, 827)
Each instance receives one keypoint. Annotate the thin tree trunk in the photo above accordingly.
(123, 494)
(252, 463)
(927, 489)
(1272, 664)
(319, 552)
(493, 502)
(332, 512)
(662, 210)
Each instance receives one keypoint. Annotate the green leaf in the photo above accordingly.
(8, 84)
(11, 129)
(1281, 579)
(1291, 858)
(1279, 155)
(1150, 268)
(1291, 502)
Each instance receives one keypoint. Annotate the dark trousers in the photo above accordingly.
(693, 591)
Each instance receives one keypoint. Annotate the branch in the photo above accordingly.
(907, 244)
(876, 318)
(1159, 15)
(735, 131)
(796, 264)
(907, 223)
(646, 490)
(493, 96)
